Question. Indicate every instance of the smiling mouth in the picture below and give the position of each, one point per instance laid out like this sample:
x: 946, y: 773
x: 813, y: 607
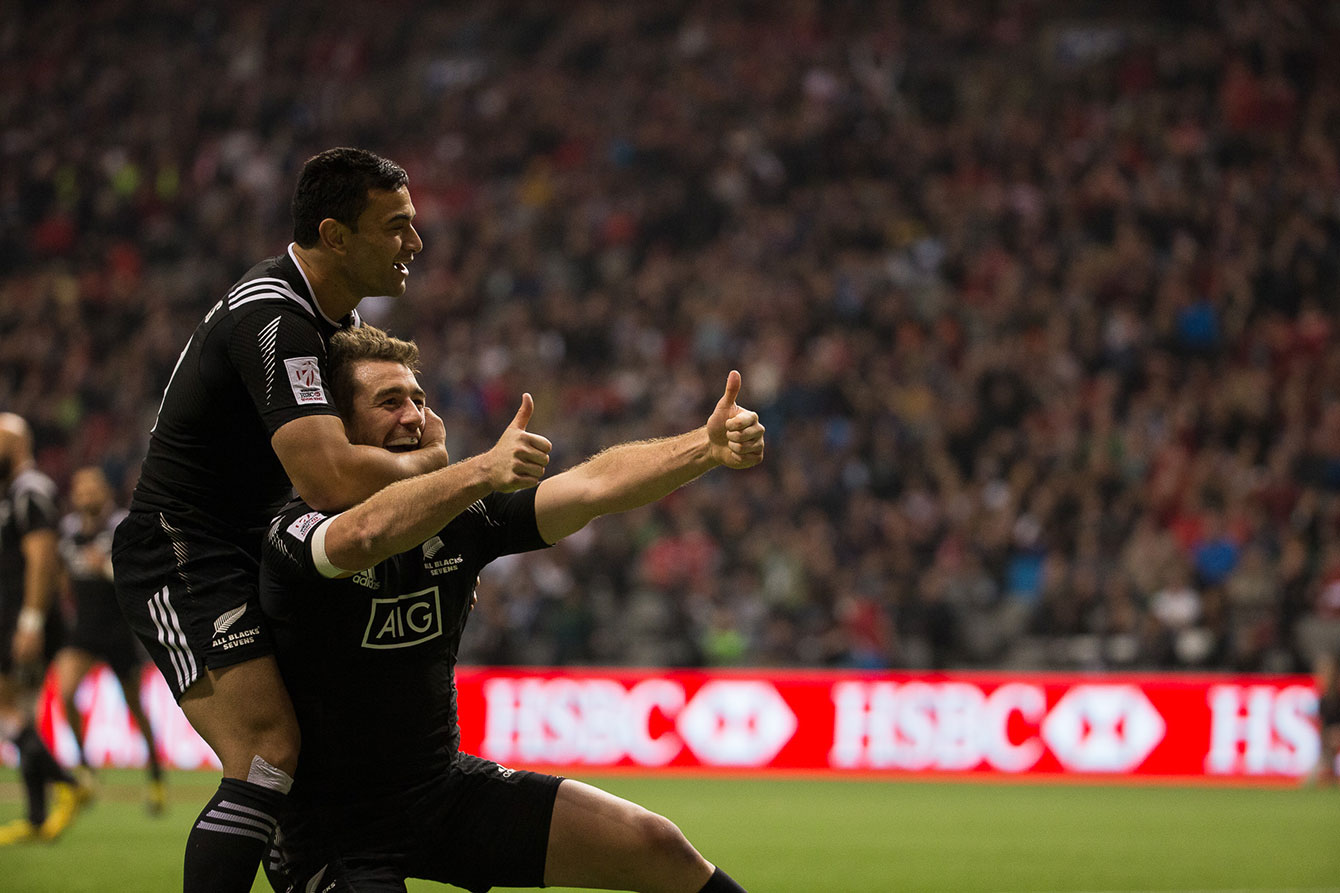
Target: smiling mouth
x: 403, y: 444
x: 403, y: 268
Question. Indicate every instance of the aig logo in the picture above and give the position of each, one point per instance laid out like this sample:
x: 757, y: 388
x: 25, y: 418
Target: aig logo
x: 404, y: 621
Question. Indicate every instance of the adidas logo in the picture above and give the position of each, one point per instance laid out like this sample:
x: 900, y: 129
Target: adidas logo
x: 432, y: 547
x: 367, y: 578
x: 227, y: 619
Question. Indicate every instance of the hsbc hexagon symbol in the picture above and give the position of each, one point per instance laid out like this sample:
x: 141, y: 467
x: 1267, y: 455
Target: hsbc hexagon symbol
x: 736, y: 723
x: 1103, y: 728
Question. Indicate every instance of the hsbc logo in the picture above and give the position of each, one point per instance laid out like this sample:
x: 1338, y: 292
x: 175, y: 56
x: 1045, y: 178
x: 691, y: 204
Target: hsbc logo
x: 1103, y: 728
x: 904, y: 724
x: 731, y: 723
x: 600, y: 722
x: 955, y: 726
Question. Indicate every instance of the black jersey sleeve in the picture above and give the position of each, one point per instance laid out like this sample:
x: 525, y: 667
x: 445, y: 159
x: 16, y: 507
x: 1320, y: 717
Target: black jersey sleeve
x: 287, y: 565
x: 280, y: 355
x: 506, y: 523
x: 35, y: 503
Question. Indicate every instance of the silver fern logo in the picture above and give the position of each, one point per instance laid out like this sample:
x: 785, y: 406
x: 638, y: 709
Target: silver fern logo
x: 227, y: 619
x: 432, y: 547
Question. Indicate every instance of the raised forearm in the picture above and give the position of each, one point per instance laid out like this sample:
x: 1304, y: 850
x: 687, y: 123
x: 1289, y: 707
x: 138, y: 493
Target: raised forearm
x: 331, y: 474
x: 403, y: 514
x: 620, y: 478
x: 364, y: 471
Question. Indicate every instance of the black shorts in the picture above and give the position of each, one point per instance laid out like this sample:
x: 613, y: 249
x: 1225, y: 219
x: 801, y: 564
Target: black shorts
x: 105, y: 636
x: 191, y: 598
x: 480, y: 826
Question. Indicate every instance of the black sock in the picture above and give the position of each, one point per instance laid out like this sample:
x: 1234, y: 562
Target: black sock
x: 38, y: 767
x: 230, y: 837
x: 154, y: 768
x: 720, y: 882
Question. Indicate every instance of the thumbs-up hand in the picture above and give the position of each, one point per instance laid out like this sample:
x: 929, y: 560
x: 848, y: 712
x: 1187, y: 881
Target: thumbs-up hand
x: 735, y: 433
x: 517, y: 461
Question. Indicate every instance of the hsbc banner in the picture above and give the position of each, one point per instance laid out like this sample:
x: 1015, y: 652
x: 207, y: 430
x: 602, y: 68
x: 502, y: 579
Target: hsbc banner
x: 1174, y: 727
x: 1165, y: 726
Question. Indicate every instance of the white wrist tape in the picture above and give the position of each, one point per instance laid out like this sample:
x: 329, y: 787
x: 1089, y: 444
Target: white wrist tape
x: 31, y: 620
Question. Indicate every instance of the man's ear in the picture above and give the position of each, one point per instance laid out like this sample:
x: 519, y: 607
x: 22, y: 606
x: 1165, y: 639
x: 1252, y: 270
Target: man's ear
x: 333, y: 234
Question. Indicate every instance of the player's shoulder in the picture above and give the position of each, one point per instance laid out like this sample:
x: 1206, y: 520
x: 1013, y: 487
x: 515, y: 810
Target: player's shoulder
x: 275, y: 281
x: 295, y: 520
x: 33, y: 483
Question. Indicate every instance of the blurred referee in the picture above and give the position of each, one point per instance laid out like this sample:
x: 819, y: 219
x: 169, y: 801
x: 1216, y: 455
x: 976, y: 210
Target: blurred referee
x: 244, y: 420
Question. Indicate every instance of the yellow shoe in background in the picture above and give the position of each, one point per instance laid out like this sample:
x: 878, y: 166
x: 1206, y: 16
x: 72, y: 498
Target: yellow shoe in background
x: 66, y: 801
x: 155, y: 799
x: 17, y: 831
x: 85, y: 779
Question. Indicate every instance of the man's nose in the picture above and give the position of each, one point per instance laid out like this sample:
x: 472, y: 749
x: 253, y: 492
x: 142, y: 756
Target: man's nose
x: 412, y: 415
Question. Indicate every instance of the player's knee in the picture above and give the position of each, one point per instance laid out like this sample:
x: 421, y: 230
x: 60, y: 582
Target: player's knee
x: 278, y: 745
x: 661, y: 839
x: 275, y: 740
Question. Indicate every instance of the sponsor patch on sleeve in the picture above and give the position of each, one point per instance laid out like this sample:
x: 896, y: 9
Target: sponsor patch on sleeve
x: 304, y: 377
x: 303, y: 526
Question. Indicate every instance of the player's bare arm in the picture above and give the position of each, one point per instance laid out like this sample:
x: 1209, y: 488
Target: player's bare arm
x: 406, y: 513
x: 331, y: 474
x: 635, y: 474
x: 41, y: 575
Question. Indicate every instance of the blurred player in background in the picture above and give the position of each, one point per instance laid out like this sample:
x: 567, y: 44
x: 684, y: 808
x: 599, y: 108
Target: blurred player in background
x: 100, y: 632
x: 245, y: 419
x: 30, y: 631
x: 369, y: 606
x: 1327, y: 676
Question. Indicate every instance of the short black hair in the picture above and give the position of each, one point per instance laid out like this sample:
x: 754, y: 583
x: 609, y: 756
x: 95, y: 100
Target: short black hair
x: 335, y: 184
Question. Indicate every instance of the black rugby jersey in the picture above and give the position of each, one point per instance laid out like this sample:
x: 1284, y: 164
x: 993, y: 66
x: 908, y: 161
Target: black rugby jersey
x: 256, y: 361
x: 369, y: 660
x: 28, y: 505
x: 86, y: 557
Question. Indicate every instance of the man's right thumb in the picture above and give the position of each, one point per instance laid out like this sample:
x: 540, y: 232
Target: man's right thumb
x: 522, y: 418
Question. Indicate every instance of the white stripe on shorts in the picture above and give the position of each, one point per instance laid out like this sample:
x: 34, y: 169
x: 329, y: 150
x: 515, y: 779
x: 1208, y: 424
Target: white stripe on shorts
x: 171, y: 637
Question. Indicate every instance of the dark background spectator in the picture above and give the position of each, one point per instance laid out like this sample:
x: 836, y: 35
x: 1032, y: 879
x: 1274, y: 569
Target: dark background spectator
x: 1037, y: 299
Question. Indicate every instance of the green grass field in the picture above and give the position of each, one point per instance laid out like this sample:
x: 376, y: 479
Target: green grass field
x: 778, y: 836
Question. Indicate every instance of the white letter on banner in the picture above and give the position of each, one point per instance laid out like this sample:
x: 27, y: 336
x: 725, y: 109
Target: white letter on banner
x: 563, y: 720
x: 916, y: 724
x: 1229, y: 728
x: 1030, y: 703
x: 500, y: 720
x: 644, y: 697
x: 959, y: 726
x: 603, y: 721
x: 1294, y: 708
x: 851, y: 725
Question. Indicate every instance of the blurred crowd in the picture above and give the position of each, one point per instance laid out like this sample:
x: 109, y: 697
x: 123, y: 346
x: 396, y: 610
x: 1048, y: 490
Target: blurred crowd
x: 1036, y: 299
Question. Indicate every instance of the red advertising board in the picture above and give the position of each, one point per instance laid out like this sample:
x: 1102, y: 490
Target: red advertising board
x: 1155, y: 726
x: 989, y: 725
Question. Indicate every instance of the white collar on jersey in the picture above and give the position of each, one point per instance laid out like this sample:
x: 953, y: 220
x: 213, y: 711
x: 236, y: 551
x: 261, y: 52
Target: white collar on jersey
x: 310, y: 291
